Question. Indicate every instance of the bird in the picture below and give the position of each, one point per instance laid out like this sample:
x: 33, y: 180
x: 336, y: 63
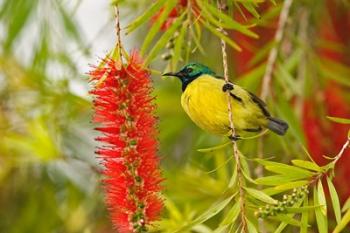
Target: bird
x: 204, y: 99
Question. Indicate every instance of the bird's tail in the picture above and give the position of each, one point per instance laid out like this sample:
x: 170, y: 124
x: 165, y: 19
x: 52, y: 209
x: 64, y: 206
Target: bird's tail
x: 277, y: 126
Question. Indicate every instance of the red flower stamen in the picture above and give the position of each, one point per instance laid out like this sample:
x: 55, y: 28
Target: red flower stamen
x: 124, y: 111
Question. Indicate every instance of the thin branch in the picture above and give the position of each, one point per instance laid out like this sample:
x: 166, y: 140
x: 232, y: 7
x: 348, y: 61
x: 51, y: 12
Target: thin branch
x: 269, y: 69
x: 273, y: 53
x: 236, y: 155
x: 118, y: 30
x: 303, y: 38
x: 341, y: 152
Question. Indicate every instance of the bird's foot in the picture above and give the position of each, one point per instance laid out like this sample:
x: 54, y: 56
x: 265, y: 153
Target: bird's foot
x: 227, y: 87
x: 234, y: 137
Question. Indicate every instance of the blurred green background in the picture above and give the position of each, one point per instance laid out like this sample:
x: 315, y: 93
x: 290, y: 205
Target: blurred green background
x: 49, y: 176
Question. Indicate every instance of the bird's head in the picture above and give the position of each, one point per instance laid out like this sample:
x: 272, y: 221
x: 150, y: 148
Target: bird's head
x: 190, y: 72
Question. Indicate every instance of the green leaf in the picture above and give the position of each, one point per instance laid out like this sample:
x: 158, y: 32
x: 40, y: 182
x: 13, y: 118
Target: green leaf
x: 157, y: 5
x: 157, y: 25
x: 286, y: 219
x: 261, y: 54
x: 211, y: 212
x: 335, y: 200
x: 281, y: 227
x: 321, y: 198
x: 307, y: 165
x: 221, y: 229
x: 221, y: 36
x: 250, y: 7
x: 321, y: 219
x: 259, y: 195
x: 343, y: 223
x: 334, y: 70
x: 201, y: 229
x: 164, y: 39
x: 68, y: 22
x: 231, y: 215
x: 305, y: 216
x: 285, y: 187
x: 287, y: 79
x: 228, y: 22
x: 300, y: 209
x: 233, y: 179
x: 179, y: 43
x: 288, y: 114
x: 214, y: 148
x: 346, y: 205
x: 251, y: 227
x: 290, y: 171
x: 275, y: 180
x: 18, y: 16
x: 339, y: 120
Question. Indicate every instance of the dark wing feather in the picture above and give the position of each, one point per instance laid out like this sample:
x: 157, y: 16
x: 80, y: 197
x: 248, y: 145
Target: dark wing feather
x: 262, y: 105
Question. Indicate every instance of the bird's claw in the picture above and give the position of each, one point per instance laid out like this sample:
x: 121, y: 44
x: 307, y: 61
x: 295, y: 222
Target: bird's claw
x: 234, y: 137
x: 227, y: 87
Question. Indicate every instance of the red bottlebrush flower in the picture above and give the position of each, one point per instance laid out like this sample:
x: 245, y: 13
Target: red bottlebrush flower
x: 325, y: 137
x: 124, y: 111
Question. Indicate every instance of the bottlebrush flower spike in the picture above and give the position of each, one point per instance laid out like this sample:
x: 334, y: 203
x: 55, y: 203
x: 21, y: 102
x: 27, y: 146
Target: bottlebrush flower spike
x: 125, y: 113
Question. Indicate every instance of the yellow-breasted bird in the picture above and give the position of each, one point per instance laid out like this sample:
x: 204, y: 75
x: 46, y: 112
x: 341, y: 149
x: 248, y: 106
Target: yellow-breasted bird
x: 205, y: 102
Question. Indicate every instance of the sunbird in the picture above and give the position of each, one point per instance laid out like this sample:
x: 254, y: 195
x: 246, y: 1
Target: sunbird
x: 204, y: 99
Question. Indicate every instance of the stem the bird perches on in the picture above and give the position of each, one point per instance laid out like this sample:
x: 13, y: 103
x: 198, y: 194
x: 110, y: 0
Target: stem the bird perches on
x: 236, y: 155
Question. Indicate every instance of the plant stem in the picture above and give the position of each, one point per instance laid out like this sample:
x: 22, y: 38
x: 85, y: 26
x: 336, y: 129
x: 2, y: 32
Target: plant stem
x: 341, y: 152
x: 236, y: 155
x: 118, y: 30
x: 273, y: 53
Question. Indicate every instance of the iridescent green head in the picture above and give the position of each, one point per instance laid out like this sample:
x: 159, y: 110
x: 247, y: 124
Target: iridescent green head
x: 190, y: 72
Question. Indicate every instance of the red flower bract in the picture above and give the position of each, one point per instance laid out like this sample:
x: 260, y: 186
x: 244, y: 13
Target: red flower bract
x: 124, y: 111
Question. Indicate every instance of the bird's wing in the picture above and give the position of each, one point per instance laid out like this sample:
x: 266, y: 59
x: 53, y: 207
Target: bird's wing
x: 262, y: 105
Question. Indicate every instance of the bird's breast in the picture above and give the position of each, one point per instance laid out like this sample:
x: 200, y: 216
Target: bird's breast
x: 204, y: 102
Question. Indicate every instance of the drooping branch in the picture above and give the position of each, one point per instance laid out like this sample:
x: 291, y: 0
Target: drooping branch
x: 274, y: 52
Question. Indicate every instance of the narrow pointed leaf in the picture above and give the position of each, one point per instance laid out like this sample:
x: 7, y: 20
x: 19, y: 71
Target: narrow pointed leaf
x: 259, y: 195
x: 214, y: 148
x: 221, y: 36
x: 251, y: 227
x: 346, y: 205
x: 231, y: 215
x: 157, y: 25
x: 157, y: 5
x: 335, y: 200
x: 275, y: 180
x: 287, y: 219
x: 307, y: 165
x: 305, y: 216
x: 211, y: 212
x: 290, y: 171
x: 229, y: 22
x: 339, y: 120
x: 321, y: 219
x: 164, y: 39
x: 285, y: 187
x: 343, y: 223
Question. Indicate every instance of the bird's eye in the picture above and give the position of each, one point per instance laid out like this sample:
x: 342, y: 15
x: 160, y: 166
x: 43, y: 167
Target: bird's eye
x: 189, y: 70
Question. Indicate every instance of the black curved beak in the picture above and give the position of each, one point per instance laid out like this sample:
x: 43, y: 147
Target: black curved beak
x: 178, y: 74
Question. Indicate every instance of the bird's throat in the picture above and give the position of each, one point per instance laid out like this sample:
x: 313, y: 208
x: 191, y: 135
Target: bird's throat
x: 187, y: 80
